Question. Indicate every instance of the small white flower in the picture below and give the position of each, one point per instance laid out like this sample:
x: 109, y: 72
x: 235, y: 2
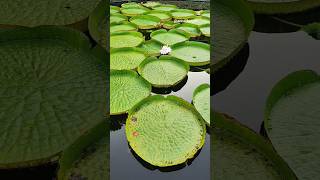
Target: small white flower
x: 165, y: 50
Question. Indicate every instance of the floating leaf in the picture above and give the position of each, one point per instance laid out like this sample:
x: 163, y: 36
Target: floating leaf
x: 205, y: 13
x: 125, y: 39
x: 163, y: 16
x: 205, y: 30
x: 170, y: 37
x: 233, y: 22
x: 199, y: 21
x: 165, y: 7
x: 127, y: 89
x: 126, y: 58
x: 124, y: 26
x: 117, y: 18
x: 201, y: 101
x: 172, y: 129
x: 52, y: 92
x: 198, y: 52
x: 240, y: 153
x: 114, y: 9
x: 282, y: 6
x: 151, y: 4
x: 165, y: 72
x: 191, y: 29
x: 33, y: 13
x: 151, y: 47
x: 292, y: 122
x: 183, y: 14
x: 133, y: 11
x: 146, y: 21
x: 98, y: 24
x: 169, y: 25
x: 131, y: 5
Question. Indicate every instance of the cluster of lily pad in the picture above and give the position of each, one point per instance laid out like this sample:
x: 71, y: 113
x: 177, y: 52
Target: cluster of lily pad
x: 153, y: 45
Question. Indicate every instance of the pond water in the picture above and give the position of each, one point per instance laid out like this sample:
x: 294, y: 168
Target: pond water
x: 271, y: 57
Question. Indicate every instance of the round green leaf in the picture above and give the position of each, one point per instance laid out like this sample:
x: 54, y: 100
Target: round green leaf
x: 131, y: 5
x: 198, y: 53
x: 199, y: 20
x: 133, y: 11
x: 172, y: 129
x: 233, y: 22
x: 126, y: 58
x: 292, y: 122
x: 117, y: 18
x: 183, y: 14
x: 163, y: 16
x: 168, y: 25
x: 151, y: 47
x: 125, y: 39
x: 165, y: 7
x: 127, y: 89
x: 282, y: 6
x: 146, y: 21
x: 239, y: 153
x: 205, y: 13
x: 191, y: 29
x: 201, y: 101
x: 52, y: 92
x: 98, y: 24
x: 33, y: 13
x: 165, y: 72
x: 169, y: 38
x: 114, y: 9
x: 124, y: 26
x: 205, y: 30
x: 151, y: 4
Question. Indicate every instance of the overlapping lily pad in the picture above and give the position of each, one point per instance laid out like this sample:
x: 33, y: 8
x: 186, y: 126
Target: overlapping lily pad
x: 292, y: 122
x: 198, y: 52
x: 169, y: 25
x: 127, y: 89
x: 165, y: 7
x: 131, y: 5
x: 183, y: 13
x: 126, y: 58
x: 191, y: 29
x: 133, y: 11
x: 205, y: 30
x: 151, y: 47
x: 238, y: 152
x: 33, y: 13
x: 163, y: 16
x: 165, y: 72
x: 114, y: 9
x: 53, y: 91
x: 172, y: 129
x: 151, y: 4
x: 125, y: 39
x: 199, y: 21
x: 282, y: 6
x: 201, y: 101
x: 98, y: 24
x: 117, y: 18
x: 124, y: 26
x: 146, y: 21
x: 205, y: 13
x: 233, y: 22
x: 170, y: 37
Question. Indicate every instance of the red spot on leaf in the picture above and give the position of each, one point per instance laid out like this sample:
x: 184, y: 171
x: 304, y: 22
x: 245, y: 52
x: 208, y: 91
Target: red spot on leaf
x: 135, y: 134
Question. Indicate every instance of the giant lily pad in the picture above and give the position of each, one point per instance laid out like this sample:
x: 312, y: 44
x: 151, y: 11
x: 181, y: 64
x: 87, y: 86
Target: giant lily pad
x: 165, y: 131
x: 146, y: 21
x: 165, y: 7
x: 33, y: 13
x: 282, y: 6
x: 126, y: 39
x: 124, y: 26
x: 205, y: 13
x: 199, y: 21
x: 201, y: 101
x: 169, y: 25
x: 133, y: 11
x: 131, y: 5
x: 183, y: 14
x: 240, y: 153
x: 191, y: 29
x: 126, y: 58
x: 170, y: 37
x: 163, y: 16
x: 233, y: 22
x: 98, y: 24
x: 165, y: 72
x: 114, y: 9
x: 151, y: 4
x: 88, y: 157
x: 292, y: 122
x: 205, y: 30
x: 198, y: 52
x: 151, y: 47
x: 117, y: 18
x: 127, y: 89
x: 52, y: 92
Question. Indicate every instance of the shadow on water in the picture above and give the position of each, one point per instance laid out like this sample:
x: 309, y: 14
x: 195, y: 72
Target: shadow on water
x: 163, y: 169
x: 117, y: 121
x: 170, y: 89
x: 223, y: 77
x: 278, y: 23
